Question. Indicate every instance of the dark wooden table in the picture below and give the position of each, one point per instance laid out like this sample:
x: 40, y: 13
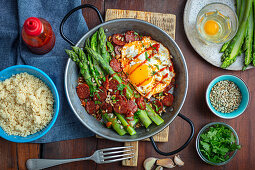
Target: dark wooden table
x: 14, y: 156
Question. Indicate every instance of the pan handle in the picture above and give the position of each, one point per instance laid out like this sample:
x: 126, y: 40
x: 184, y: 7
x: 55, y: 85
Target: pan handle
x: 70, y: 13
x: 183, y: 146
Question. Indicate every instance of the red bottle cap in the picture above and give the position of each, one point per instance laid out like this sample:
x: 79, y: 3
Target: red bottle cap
x: 33, y: 26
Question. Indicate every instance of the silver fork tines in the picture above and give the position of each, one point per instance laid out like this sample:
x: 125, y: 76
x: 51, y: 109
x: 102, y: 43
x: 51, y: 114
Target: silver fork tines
x: 119, y: 157
x: 116, y: 148
x: 101, y: 156
x: 110, y: 153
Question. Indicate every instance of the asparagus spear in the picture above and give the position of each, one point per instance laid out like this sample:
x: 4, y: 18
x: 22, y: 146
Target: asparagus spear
x: 126, y: 125
x: 238, y: 5
x: 108, y: 69
x: 80, y: 54
x: 242, y: 9
x: 83, y: 69
x: 102, y: 44
x: 94, y: 46
x: 233, y: 49
x: 93, y: 42
x: 224, y: 47
x: 110, y: 48
x: 134, y: 121
x: 91, y: 66
x: 239, y: 9
x: 115, y: 125
x: 248, y: 40
x: 129, y: 92
x: 143, y: 117
x: 153, y: 115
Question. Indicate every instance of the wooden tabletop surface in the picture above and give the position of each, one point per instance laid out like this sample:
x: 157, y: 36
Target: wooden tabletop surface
x: 14, y: 155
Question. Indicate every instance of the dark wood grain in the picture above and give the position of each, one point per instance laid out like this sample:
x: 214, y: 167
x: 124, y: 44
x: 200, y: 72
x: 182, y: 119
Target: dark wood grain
x: 90, y: 15
x: 26, y: 151
x: 72, y: 149
x: 200, y: 74
x: 8, y: 155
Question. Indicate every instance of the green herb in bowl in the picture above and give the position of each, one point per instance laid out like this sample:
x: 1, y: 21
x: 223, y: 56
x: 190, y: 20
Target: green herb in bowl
x: 216, y: 143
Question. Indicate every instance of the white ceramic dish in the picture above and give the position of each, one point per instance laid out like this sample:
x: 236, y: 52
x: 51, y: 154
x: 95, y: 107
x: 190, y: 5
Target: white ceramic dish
x: 209, y: 52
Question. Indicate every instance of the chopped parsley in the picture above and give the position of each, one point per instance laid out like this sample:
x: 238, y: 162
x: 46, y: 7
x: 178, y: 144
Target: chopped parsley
x: 156, y: 66
x: 146, y: 56
x: 104, y: 78
x: 156, y: 107
x: 121, y: 87
x: 97, y: 102
x: 160, y: 94
x: 98, y: 96
x: 113, y: 97
x: 136, y: 33
x: 217, y: 143
x: 153, y: 73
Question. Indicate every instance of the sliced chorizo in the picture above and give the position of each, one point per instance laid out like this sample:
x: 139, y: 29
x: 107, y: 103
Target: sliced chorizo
x: 91, y: 107
x: 120, y: 105
x: 118, y: 39
x: 157, y: 106
x: 131, y: 36
x: 106, y: 82
x: 83, y: 91
x: 141, y: 103
x: 115, y: 64
x: 131, y: 107
x: 100, y: 94
x: 106, y: 107
x: 113, y: 84
x: 168, y: 99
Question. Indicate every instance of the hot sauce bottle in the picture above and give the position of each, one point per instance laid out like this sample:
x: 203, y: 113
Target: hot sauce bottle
x: 38, y: 35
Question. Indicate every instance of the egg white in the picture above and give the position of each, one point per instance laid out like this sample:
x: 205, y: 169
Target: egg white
x: 158, y: 61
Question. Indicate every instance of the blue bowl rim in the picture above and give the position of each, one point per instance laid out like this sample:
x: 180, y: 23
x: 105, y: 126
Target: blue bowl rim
x: 54, y: 118
x: 198, y: 139
x: 207, y: 93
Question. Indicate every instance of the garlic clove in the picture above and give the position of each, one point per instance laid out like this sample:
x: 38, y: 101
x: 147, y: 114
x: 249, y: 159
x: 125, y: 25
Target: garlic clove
x: 149, y: 163
x: 178, y: 161
x: 167, y: 163
x: 159, y: 168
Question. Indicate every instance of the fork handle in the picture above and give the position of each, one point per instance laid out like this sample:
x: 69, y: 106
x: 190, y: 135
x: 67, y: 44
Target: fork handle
x: 36, y: 164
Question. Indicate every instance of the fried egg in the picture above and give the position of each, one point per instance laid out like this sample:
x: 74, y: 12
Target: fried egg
x: 148, y: 65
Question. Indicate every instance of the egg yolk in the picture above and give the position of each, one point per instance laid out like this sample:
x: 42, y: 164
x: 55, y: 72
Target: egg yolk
x: 140, y: 74
x: 211, y: 27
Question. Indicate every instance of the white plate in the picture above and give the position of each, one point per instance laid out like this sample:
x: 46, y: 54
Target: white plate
x: 209, y: 52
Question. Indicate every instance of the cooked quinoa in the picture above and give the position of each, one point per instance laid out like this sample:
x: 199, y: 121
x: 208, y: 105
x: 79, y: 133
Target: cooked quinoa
x: 26, y: 105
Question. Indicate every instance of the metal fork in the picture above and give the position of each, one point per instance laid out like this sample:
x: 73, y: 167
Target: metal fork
x: 100, y: 156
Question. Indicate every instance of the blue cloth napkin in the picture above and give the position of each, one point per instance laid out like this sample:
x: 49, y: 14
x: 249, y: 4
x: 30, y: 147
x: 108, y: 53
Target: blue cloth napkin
x: 13, y: 51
